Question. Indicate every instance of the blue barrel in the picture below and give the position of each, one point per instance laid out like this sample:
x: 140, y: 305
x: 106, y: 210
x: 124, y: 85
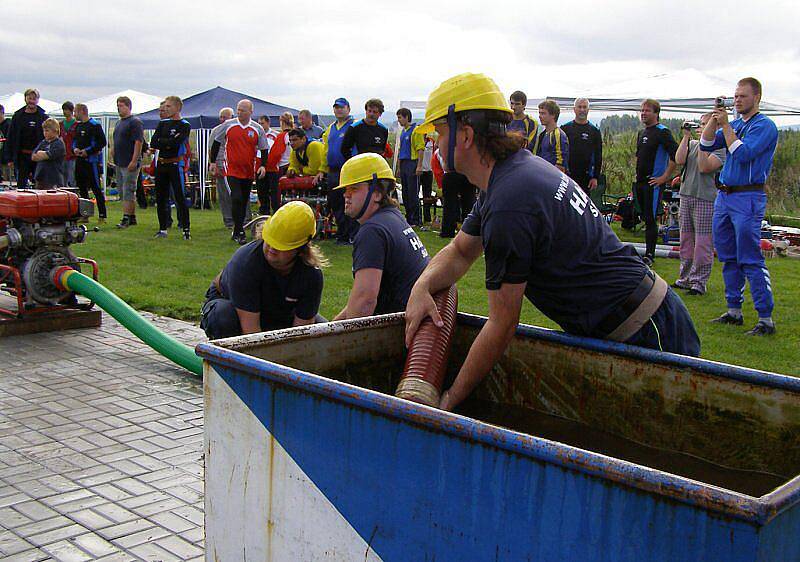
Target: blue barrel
x: 310, y: 457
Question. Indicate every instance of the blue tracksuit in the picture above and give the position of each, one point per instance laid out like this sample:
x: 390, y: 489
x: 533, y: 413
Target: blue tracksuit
x: 738, y: 216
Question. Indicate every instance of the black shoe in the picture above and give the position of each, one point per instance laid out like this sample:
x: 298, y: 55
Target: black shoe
x: 240, y: 239
x: 343, y: 242
x: 676, y: 286
x: 729, y: 319
x: 186, y: 234
x: 648, y: 260
x: 124, y: 223
x: 160, y: 234
x: 761, y: 329
x: 694, y: 292
x: 132, y: 220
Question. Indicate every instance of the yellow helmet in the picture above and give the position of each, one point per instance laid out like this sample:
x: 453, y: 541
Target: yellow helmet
x: 364, y: 167
x: 292, y: 226
x: 464, y: 92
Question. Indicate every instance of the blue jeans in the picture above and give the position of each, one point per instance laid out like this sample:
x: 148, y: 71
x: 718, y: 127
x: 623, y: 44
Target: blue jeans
x: 409, y: 181
x: 737, y: 238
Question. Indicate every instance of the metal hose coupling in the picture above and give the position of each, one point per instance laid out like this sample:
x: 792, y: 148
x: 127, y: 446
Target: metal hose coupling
x: 426, y: 363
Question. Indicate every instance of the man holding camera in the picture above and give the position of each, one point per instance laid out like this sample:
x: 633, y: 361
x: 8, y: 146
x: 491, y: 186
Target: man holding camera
x: 698, y: 191
x: 741, y: 201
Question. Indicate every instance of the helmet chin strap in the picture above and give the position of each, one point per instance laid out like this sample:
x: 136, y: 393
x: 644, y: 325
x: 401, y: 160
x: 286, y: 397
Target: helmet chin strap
x: 451, y: 143
x: 372, y: 185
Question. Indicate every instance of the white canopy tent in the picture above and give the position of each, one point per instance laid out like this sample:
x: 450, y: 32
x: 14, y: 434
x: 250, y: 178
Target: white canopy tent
x: 14, y: 101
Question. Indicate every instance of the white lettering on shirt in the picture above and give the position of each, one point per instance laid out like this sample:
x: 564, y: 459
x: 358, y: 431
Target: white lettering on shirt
x: 562, y: 187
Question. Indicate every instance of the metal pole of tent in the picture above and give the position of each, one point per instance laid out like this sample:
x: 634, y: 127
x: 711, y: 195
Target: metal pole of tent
x: 202, y: 162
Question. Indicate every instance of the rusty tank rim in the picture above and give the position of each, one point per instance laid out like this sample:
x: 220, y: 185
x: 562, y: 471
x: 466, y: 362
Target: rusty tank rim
x: 759, y: 511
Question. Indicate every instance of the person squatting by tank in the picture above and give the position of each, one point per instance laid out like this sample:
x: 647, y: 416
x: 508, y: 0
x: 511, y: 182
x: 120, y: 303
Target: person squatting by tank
x: 541, y: 238
x: 170, y: 140
x: 388, y: 256
x: 269, y: 284
x: 741, y: 201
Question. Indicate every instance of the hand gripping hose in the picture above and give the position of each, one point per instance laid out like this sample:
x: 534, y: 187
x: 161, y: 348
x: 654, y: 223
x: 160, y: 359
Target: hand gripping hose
x: 426, y: 363
x: 68, y: 279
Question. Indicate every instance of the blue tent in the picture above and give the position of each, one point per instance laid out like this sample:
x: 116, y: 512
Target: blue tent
x: 202, y: 109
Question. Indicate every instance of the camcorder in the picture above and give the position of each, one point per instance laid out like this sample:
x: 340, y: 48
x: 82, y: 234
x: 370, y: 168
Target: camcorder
x: 723, y: 102
x: 690, y: 125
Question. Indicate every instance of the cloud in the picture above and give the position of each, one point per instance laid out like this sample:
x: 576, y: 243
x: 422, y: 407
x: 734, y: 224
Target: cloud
x: 305, y: 54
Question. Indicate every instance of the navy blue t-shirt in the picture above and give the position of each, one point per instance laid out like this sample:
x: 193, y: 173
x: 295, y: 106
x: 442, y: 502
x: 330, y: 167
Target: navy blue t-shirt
x: 387, y: 242
x: 537, y: 226
x: 252, y: 285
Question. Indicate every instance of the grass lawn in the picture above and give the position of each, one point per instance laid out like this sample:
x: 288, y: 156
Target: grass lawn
x: 170, y: 277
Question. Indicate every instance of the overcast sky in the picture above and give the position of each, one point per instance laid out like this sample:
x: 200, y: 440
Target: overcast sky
x: 305, y: 54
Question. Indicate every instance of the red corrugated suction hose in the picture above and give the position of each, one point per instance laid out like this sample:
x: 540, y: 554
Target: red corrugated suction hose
x: 426, y: 364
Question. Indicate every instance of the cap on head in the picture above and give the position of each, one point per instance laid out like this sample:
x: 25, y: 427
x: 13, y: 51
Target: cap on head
x: 341, y: 102
x: 364, y: 167
x: 292, y: 226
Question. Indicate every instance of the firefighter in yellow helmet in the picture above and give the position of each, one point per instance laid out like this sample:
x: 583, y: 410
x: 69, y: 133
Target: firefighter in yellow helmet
x: 269, y: 284
x: 388, y: 256
x: 541, y: 237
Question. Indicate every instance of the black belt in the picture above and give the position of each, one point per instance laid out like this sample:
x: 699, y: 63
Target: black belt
x: 740, y: 188
x: 617, y: 316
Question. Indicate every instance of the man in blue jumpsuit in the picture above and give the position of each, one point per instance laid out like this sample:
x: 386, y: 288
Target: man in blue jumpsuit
x: 741, y: 201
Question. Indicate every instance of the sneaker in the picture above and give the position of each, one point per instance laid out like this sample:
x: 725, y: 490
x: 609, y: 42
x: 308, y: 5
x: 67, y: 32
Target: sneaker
x: 241, y: 239
x: 694, y: 292
x: 101, y: 220
x: 729, y: 319
x: 343, y: 242
x: 160, y: 234
x: 676, y: 286
x: 648, y: 260
x: 761, y: 329
x: 186, y: 234
x: 124, y: 223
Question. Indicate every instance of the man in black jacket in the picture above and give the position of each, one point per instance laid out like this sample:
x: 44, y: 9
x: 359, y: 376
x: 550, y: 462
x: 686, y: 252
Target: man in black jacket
x: 24, y: 134
x: 87, y: 145
x: 368, y: 134
x: 170, y: 139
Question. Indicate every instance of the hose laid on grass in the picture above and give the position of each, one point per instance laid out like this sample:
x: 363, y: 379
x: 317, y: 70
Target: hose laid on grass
x: 69, y: 279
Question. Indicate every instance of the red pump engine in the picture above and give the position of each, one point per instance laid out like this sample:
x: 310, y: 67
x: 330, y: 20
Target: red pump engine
x: 37, y: 228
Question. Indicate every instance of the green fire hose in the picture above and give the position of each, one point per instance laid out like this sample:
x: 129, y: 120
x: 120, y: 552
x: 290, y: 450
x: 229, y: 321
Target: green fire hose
x: 71, y: 280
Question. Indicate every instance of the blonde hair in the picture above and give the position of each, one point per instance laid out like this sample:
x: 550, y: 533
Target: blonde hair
x: 51, y: 125
x: 30, y: 91
x: 175, y: 99
x: 287, y: 121
x: 312, y: 256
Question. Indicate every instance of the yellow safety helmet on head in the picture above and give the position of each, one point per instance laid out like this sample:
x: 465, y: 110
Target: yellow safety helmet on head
x: 364, y: 167
x: 368, y: 167
x: 465, y: 92
x: 292, y: 226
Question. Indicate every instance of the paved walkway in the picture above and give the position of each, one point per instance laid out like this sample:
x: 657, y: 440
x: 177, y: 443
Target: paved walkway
x: 101, y: 445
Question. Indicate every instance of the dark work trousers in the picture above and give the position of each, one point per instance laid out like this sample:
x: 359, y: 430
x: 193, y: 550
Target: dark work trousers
x: 649, y: 199
x: 169, y: 181
x: 25, y: 168
x: 669, y: 329
x: 458, y: 197
x: 219, y: 318
x: 240, y: 199
x: 267, y: 188
x: 87, y: 177
x: 582, y: 179
x: 409, y: 181
x: 426, y: 181
x: 346, y: 227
